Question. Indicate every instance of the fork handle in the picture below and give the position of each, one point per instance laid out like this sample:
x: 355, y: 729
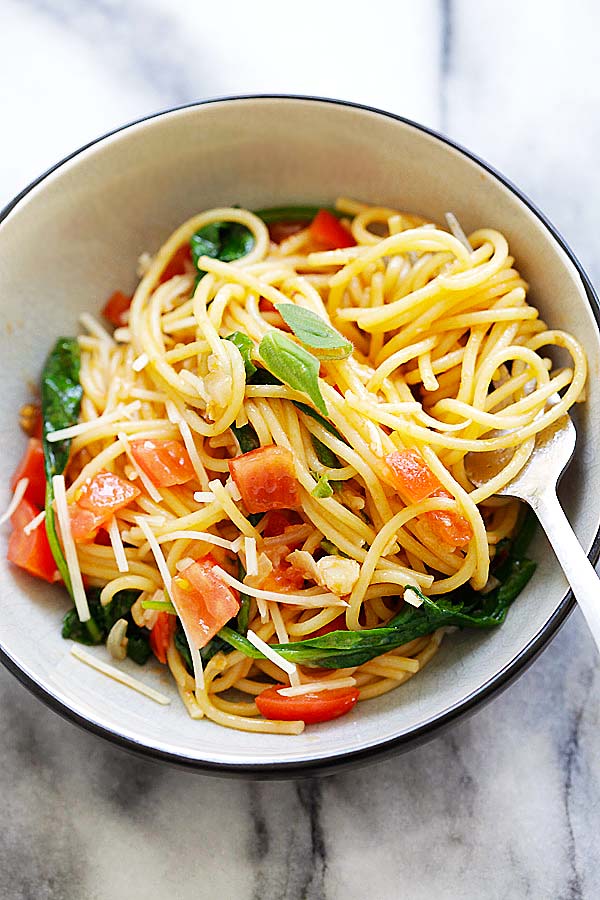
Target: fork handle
x: 580, y: 573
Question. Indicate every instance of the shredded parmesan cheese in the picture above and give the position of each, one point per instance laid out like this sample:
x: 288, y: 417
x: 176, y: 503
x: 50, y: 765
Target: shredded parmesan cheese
x: 117, y: 675
x: 64, y: 521
x: 35, y: 523
x: 251, y: 556
x: 204, y: 496
x: 455, y: 228
x: 190, y: 446
x: 140, y: 363
x: 276, y: 658
x: 72, y: 431
x: 19, y: 493
x: 168, y: 583
x: 411, y: 596
x: 307, y: 600
x: 184, y: 563
x: 196, y: 536
x: 117, y: 545
x: 157, y: 553
x: 308, y: 688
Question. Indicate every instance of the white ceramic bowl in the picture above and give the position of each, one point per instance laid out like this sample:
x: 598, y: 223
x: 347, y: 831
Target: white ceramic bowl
x: 74, y: 236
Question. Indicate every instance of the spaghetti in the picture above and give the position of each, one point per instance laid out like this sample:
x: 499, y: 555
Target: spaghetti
x: 311, y: 402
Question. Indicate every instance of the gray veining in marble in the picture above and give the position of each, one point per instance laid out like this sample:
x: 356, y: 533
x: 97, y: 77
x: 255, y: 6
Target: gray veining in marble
x: 505, y: 805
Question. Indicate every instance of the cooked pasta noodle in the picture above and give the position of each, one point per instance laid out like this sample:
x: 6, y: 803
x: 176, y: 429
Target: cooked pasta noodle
x: 447, y: 358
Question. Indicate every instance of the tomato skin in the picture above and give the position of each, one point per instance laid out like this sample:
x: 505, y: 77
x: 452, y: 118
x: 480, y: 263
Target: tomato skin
x: 329, y: 232
x: 98, y: 500
x: 32, y: 467
x: 31, y: 551
x: 161, y: 634
x: 203, y: 600
x: 116, y: 307
x: 321, y: 706
x: 266, y: 479
x: 165, y: 462
x: 177, y: 263
x: 414, y: 481
x: 284, y: 578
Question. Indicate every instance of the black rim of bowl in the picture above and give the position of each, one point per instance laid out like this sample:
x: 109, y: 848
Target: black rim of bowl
x: 432, y: 726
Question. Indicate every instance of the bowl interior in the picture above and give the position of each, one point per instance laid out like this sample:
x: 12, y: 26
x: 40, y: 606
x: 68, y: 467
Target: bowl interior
x: 76, y: 236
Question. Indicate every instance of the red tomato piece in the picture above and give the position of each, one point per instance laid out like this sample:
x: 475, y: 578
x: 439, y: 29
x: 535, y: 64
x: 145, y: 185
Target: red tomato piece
x: 321, y: 706
x: 177, y: 264
x: 414, y: 481
x: 203, y: 601
x: 32, y: 467
x: 116, y: 307
x: 31, y: 551
x: 284, y: 578
x: 98, y: 500
x: 266, y: 479
x: 278, y: 520
x: 165, y: 462
x: 329, y: 232
x: 161, y: 634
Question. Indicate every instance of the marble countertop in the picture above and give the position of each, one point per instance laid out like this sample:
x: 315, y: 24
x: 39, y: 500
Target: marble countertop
x: 506, y: 804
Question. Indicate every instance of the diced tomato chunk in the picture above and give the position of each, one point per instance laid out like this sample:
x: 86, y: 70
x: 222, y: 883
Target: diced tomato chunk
x: 116, y: 307
x: 320, y: 706
x: 278, y: 520
x: 266, y: 479
x: 32, y: 467
x: 284, y: 578
x: 165, y: 462
x: 24, y: 513
x: 329, y: 232
x: 161, y: 634
x: 177, y: 263
x: 203, y: 601
x: 414, y: 481
x: 31, y: 551
x: 97, y: 502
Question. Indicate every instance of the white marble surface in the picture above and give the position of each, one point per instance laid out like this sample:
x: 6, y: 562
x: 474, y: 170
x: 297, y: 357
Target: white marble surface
x: 505, y: 805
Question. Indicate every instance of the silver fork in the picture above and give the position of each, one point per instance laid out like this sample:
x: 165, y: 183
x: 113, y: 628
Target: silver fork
x: 536, y: 484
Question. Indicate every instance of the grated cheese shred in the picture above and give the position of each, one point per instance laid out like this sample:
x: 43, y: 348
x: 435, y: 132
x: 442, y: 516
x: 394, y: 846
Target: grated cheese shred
x: 70, y: 550
x: 117, y: 675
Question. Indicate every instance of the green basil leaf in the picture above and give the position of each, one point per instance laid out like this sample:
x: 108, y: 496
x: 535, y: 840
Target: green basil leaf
x: 314, y: 331
x: 293, y: 364
x: 226, y: 241
x: 245, y: 345
x: 322, y: 488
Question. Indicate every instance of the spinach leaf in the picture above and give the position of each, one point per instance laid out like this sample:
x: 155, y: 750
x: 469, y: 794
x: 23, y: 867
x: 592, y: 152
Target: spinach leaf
x: 138, y: 644
x: 293, y: 364
x: 313, y: 331
x: 245, y: 346
x: 103, y: 618
x: 293, y: 213
x: 463, y: 608
x: 243, y: 617
x: 246, y: 437
x: 61, y: 400
x: 226, y: 241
